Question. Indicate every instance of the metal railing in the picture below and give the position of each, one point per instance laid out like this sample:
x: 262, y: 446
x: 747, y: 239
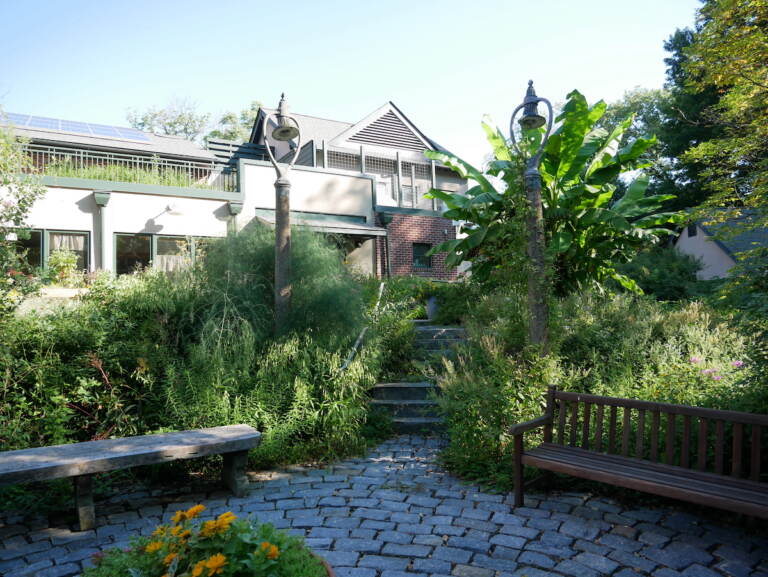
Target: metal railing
x: 118, y: 167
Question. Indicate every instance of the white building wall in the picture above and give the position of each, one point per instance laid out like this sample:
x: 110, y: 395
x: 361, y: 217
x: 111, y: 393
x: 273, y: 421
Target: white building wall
x: 716, y: 261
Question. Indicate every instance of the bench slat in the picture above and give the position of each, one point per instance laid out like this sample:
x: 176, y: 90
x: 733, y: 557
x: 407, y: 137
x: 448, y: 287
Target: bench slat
x: 599, y: 428
x: 612, y: 431
x: 585, y: 426
x: 670, y: 441
x: 738, y: 434
x: 754, y: 469
x: 58, y: 461
x: 640, y: 434
x: 655, y: 436
x: 626, y: 428
x: 685, y: 450
x: 701, y: 451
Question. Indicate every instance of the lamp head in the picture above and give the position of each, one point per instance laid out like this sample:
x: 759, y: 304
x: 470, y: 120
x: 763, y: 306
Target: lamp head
x: 531, y: 118
x: 287, y: 128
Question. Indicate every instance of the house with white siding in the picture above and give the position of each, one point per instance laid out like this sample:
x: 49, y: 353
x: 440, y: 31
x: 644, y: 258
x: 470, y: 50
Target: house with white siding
x: 123, y: 199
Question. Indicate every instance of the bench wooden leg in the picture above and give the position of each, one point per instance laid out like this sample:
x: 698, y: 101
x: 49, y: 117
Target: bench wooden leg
x: 233, y: 475
x: 519, y: 477
x: 86, y: 512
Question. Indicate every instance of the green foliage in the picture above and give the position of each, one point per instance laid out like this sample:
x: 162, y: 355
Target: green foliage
x: 237, y: 126
x: 665, y: 273
x: 727, y: 54
x: 622, y: 345
x: 225, y: 546
x: 179, y: 118
x: 590, y: 227
x: 150, y: 352
x: 17, y: 195
x: 62, y: 268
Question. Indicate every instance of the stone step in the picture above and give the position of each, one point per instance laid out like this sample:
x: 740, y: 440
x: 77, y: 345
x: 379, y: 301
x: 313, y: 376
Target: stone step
x: 433, y: 332
x: 436, y: 344
x: 400, y: 408
x: 434, y: 355
x: 403, y: 391
x: 426, y: 425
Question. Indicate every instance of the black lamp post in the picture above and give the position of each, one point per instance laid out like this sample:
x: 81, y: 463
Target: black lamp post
x: 537, y: 285
x: 287, y: 129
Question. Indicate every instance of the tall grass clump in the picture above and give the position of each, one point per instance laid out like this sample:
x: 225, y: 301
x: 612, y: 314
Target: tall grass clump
x: 152, y: 352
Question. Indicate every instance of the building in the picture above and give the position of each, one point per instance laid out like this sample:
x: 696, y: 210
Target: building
x: 121, y: 198
x: 717, y: 247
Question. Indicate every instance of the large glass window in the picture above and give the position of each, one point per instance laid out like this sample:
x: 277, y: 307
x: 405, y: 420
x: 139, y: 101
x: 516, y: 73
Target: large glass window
x: 173, y: 253
x: 420, y: 258
x: 76, y: 242
x: 29, y: 244
x: 132, y: 251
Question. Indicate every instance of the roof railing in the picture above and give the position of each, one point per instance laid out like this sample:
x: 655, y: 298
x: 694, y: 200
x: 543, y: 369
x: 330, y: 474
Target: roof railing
x: 121, y: 167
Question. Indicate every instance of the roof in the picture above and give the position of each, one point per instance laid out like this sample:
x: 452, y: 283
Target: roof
x: 169, y: 146
x: 312, y: 127
x: 334, y: 224
x: 738, y: 234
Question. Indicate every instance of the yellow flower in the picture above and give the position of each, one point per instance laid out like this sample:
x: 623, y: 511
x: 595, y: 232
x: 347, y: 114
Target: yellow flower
x: 169, y: 558
x: 209, y: 528
x: 198, y: 568
x: 179, y: 516
x: 193, y: 512
x: 160, y: 531
x: 265, y: 545
x: 216, y: 564
x: 153, y: 546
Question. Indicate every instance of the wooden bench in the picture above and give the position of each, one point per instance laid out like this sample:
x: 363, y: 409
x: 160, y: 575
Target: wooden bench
x: 83, y: 460
x: 704, y: 456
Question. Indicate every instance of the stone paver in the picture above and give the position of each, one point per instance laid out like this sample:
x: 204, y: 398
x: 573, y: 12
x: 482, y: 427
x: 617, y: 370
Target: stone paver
x: 396, y: 513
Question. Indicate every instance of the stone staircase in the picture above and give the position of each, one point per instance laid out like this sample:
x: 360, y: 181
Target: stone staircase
x: 411, y: 403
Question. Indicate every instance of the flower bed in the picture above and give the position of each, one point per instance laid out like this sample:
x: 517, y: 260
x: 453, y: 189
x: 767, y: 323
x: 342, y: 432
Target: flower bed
x: 222, y: 546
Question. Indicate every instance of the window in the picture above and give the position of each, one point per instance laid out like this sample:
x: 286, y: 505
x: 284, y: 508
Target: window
x: 132, y: 251
x: 420, y: 258
x: 691, y: 230
x: 76, y: 242
x: 31, y: 247
x: 172, y: 253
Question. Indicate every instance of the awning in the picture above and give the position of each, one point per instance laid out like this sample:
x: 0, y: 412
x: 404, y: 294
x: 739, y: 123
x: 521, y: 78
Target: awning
x: 328, y: 223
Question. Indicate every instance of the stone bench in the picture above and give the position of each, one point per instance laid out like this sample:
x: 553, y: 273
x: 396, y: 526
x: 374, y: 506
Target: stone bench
x: 83, y: 460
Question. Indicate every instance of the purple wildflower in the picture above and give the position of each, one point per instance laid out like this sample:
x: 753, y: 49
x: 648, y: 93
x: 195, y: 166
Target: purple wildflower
x: 695, y: 360
x: 737, y: 364
x: 716, y: 377
x: 707, y: 371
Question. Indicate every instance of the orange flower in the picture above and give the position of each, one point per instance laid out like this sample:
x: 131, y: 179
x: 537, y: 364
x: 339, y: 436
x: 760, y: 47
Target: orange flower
x: 169, y: 558
x: 178, y: 517
x: 215, y: 564
x: 273, y: 552
x: 197, y: 570
x: 209, y: 528
x: 193, y: 512
x: 153, y: 546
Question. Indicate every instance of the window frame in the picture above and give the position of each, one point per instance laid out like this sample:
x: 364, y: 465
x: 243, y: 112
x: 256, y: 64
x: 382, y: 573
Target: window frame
x: 153, y: 242
x: 414, y: 258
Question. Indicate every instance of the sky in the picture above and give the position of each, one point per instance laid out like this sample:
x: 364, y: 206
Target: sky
x: 443, y: 63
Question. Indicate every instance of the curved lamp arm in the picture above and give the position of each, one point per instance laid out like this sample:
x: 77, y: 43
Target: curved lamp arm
x: 536, y: 157
x: 282, y: 171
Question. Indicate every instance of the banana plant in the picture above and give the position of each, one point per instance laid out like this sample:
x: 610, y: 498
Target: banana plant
x: 596, y: 210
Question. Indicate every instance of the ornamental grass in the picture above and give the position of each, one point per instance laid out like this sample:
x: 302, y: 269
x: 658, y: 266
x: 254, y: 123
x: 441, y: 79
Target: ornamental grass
x: 223, y: 546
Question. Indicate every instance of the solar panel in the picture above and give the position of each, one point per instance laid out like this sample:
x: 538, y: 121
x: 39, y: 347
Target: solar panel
x: 75, y: 127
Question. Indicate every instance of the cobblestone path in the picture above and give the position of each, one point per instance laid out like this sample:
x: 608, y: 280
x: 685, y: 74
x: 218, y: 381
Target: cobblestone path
x: 395, y: 513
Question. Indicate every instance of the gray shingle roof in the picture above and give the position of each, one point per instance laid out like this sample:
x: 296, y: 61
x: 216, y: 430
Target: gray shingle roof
x: 169, y: 146
x: 312, y: 127
x: 737, y: 234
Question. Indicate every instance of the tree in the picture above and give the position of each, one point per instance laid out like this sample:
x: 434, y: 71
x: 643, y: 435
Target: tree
x: 18, y: 192
x: 179, y: 118
x: 728, y: 54
x: 236, y: 126
x: 588, y: 230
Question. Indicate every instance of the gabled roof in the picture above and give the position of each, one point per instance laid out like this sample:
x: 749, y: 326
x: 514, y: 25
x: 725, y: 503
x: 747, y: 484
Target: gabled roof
x: 738, y: 234
x: 385, y: 127
x: 169, y: 146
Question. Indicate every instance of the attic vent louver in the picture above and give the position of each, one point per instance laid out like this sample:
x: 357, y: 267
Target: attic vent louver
x: 388, y: 130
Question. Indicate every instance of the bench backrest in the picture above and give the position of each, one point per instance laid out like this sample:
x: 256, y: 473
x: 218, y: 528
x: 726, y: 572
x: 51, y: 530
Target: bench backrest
x: 721, y: 442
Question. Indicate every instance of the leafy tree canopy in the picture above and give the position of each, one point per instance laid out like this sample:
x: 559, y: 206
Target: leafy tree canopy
x: 590, y: 228
x: 179, y: 118
x: 237, y: 126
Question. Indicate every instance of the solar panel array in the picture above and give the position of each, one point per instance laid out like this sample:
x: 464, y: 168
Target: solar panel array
x: 86, y: 128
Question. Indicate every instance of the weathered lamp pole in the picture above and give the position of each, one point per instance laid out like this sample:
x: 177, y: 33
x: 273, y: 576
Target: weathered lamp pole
x: 286, y: 130
x: 537, y: 278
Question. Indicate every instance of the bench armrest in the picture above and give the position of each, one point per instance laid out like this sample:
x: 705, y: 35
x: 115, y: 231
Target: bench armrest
x: 520, y: 428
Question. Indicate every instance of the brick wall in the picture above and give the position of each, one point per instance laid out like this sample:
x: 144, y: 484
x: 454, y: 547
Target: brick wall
x: 404, y: 231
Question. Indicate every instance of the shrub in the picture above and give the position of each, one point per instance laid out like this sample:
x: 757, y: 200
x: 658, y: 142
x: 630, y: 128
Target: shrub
x: 665, y: 273
x: 62, y: 268
x: 223, y: 546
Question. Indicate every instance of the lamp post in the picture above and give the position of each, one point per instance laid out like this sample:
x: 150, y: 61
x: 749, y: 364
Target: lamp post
x: 537, y: 285
x: 287, y: 129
